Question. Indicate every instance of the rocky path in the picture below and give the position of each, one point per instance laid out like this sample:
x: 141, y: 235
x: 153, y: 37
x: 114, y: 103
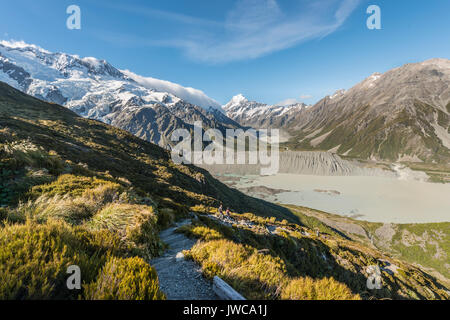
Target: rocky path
x: 227, y: 221
x: 180, y: 279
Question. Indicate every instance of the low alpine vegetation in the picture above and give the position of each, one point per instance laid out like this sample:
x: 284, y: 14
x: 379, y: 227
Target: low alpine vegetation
x: 100, y: 224
x: 125, y: 279
x: 34, y: 258
x: 324, y: 289
x: 294, y: 262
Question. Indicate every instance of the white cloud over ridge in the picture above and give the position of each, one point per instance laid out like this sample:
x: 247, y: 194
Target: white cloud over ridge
x: 191, y: 95
x: 287, y: 102
x: 253, y: 28
x: 291, y: 101
x: 20, y: 44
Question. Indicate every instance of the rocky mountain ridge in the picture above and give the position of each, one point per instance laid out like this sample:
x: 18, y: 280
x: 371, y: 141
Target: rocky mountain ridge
x: 95, y: 89
x: 400, y: 115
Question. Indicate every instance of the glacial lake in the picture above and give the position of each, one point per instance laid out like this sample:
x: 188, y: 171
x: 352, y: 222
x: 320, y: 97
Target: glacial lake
x: 370, y: 198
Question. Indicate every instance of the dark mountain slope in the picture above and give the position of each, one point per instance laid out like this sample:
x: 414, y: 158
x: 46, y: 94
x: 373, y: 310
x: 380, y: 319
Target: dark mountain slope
x: 399, y: 115
x: 102, y: 148
x: 97, y: 90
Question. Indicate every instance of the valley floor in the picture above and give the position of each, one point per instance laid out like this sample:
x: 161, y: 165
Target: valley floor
x: 369, y: 198
x: 409, y: 219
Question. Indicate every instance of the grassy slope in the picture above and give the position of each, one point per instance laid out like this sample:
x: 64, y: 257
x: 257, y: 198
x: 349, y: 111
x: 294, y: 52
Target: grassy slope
x: 294, y: 262
x: 103, y: 148
x: 77, y: 188
x: 78, y: 191
x: 427, y: 244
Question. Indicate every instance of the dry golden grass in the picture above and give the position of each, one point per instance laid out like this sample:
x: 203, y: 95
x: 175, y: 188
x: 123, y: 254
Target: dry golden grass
x: 310, y: 289
x: 135, y: 224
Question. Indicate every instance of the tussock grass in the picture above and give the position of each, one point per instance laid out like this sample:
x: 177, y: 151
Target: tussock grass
x: 255, y: 275
x: 262, y: 276
x: 67, y: 206
x: 125, y: 279
x: 135, y: 224
x: 310, y: 289
x: 100, y: 225
x: 72, y: 210
x: 34, y: 258
x: 68, y: 184
x: 35, y: 254
x: 200, y: 232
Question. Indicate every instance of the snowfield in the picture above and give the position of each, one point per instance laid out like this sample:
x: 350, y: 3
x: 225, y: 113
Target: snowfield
x: 93, y: 88
x: 89, y: 86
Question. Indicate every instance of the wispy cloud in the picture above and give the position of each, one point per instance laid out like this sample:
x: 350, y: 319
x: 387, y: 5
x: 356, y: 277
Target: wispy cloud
x: 252, y: 28
x: 20, y: 44
x: 165, y: 15
x: 287, y: 102
x: 192, y: 95
x: 291, y: 101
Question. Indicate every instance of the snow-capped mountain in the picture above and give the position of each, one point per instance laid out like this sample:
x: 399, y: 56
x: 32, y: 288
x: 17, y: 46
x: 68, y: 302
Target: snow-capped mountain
x: 260, y: 115
x: 400, y: 115
x: 148, y: 107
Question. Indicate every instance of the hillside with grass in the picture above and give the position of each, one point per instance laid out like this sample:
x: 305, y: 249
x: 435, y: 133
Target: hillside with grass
x: 263, y: 258
x: 41, y: 141
x: 75, y: 191
x: 424, y: 244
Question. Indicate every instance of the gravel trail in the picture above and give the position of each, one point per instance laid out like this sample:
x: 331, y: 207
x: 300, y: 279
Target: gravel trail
x: 180, y: 279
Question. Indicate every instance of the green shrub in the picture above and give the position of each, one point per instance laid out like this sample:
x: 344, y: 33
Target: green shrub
x: 125, y: 279
x: 7, y: 191
x: 211, y: 269
x: 11, y: 216
x: 202, y: 209
x: 3, y: 213
x: 14, y: 182
x: 34, y: 259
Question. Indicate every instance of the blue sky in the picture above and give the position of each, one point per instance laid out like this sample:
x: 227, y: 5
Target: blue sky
x: 268, y: 50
